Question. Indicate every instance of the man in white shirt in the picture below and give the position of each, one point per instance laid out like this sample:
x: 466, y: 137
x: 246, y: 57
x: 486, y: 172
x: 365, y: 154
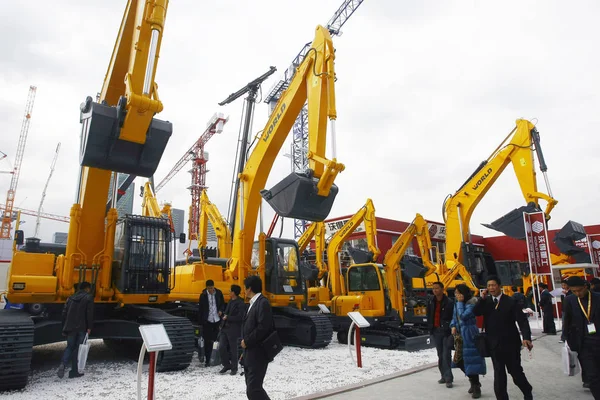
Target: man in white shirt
x: 211, y: 306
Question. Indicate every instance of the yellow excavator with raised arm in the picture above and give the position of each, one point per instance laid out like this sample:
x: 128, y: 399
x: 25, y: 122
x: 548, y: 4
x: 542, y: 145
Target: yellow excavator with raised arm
x: 465, y: 262
x: 127, y: 259
x: 308, y: 196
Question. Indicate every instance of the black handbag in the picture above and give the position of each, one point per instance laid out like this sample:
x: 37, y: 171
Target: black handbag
x: 482, y: 344
x: 271, y: 345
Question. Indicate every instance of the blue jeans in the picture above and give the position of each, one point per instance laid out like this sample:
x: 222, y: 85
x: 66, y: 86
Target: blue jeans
x: 74, y: 339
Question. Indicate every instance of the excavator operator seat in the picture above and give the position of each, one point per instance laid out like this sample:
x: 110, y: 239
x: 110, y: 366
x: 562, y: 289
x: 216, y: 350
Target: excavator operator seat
x: 296, y: 197
x: 102, y: 148
x: 512, y: 224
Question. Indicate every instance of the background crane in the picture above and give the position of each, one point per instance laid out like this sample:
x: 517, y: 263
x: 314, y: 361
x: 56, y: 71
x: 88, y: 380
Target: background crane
x: 53, y: 217
x: 199, y: 158
x: 300, y: 129
x: 2, y: 157
x: 39, y: 216
x: 10, y: 195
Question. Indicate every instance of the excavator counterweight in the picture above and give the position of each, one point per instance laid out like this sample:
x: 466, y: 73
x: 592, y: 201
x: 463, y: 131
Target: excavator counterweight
x: 511, y: 224
x: 296, y: 197
x: 101, y: 146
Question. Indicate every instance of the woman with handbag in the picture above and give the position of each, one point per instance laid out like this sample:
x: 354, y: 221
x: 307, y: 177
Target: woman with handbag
x: 464, y: 329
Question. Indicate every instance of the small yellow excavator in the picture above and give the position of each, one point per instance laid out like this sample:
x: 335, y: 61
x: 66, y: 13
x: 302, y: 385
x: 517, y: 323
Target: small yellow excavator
x: 366, y: 286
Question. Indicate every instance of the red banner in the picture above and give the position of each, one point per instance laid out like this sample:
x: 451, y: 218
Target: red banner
x: 538, y: 248
x: 594, y: 247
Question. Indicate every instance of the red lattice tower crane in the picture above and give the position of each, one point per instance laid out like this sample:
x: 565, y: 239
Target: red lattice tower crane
x: 10, y: 195
x: 197, y: 156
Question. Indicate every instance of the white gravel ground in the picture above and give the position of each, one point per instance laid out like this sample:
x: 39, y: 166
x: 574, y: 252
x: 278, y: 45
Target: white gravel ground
x: 295, y: 372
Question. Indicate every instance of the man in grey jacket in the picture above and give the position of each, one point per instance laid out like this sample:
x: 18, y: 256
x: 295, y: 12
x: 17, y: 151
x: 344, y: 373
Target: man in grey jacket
x: 78, y: 317
x: 231, y: 331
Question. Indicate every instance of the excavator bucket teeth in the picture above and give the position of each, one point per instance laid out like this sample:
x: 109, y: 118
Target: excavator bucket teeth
x: 296, y: 197
x: 102, y: 148
x: 512, y: 224
x: 565, y: 241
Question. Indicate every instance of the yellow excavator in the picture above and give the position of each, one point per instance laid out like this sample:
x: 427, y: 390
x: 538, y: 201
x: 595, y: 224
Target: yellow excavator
x: 127, y: 259
x: 308, y: 196
x: 363, y: 285
x: 465, y: 262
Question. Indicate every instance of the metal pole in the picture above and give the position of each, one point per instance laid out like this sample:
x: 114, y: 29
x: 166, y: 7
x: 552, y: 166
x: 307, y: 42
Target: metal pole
x: 151, y: 371
x: 357, y: 344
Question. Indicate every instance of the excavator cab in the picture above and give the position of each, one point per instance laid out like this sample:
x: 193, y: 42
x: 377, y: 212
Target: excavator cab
x: 369, y: 281
x: 282, y: 267
x: 101, y: 146
x: 296, y: 197
x: 512, y: 224
x: 141, y: 263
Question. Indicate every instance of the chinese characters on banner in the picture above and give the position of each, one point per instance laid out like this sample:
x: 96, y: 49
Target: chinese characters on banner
x: 538, y: 247
x: 332, y: 227
x: 594, y: 247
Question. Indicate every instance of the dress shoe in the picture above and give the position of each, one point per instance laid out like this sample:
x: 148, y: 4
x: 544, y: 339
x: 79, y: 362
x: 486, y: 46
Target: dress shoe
x: 233, y: 372
x: 224, y: 369
x: 61, y: 371
x: 75, y: 375
x: 442, y: 381
x: 448, y: 385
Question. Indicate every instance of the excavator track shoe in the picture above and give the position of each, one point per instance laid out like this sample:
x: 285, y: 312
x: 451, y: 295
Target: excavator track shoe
x: 512, y: 224
x: 102, y: 148
x: 304, y: 329
x: 16, y: 346
x: 296, y: 197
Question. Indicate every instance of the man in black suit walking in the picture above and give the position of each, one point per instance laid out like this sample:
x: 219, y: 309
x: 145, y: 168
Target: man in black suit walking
x: 211, y: 305
x: 231, y: 331
x: 257, y: 325
x: 582, y: 319
x: 499, y: 316
x: 546, y: 306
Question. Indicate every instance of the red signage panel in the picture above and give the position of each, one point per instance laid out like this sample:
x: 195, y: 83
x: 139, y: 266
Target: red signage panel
x: 538, y: 247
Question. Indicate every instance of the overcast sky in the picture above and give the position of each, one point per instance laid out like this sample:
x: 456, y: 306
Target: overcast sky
x: 426, y: 91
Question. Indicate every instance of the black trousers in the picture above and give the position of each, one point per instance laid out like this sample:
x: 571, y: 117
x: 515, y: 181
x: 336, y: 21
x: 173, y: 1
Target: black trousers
x: 549, y: 326
x: 589, y: 358
x: 509, y: 359
x: 443, y: 345
x: 210, y: 330
x: 228, y: 347
x: 255, y: 369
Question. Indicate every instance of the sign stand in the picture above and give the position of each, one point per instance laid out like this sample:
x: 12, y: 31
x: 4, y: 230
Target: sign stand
x: 358, y: 321
x: 155, y: 339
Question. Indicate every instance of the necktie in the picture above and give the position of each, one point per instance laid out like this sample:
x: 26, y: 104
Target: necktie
x: 495, y: 300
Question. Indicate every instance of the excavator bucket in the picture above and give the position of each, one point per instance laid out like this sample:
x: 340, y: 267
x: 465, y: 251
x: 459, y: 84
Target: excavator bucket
x: 512, y: 224
x: 102, y: 148
x: 565, y: 241
x: 412, y: 267
x: 296, y: 197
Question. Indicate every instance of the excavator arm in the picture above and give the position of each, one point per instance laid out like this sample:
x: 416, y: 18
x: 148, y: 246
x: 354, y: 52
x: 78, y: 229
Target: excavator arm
x: 458, y: 208
x: 210, y: 212
x: 316, y: 230
x: 366, y: 214
x: 150, y: 207
x: 304, y: 196
x: 120, y: 135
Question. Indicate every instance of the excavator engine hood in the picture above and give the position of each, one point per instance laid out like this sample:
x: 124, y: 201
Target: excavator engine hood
x: 565, y: 241
x: 512, y: 224
x: 296, y: 197
x: 102, y: 148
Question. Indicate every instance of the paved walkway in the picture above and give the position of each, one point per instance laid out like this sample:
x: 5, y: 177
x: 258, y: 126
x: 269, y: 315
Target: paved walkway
x: 544, y: 372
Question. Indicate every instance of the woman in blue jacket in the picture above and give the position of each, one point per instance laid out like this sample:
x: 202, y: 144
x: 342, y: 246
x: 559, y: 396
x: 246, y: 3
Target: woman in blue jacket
x: 464, y: 324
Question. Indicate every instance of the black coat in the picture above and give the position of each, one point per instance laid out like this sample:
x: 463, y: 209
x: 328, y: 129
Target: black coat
x: 499, y: 322
x: 546, y: 302
x: 257, y: 323
x: 575, y: 321
x: 203, y: 305
x: 520, y: 299
x: 235, y: 311
x: 78, y: 313
x: 446, y: 311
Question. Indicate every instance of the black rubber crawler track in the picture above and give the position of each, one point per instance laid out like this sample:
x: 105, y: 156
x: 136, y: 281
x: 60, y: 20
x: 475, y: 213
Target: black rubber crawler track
x: 299, y: 328
x: 16, y: 346
x: 181, y: 334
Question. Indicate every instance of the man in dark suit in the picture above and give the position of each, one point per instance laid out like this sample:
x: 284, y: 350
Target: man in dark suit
x: 546, y: 306
x: 211, y: 305
x: 439, y: 316
x: 500, y: 313
x: 582, y: 319
x: 257, y: 325
x: 566, y: 292
x: 231, y: 331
